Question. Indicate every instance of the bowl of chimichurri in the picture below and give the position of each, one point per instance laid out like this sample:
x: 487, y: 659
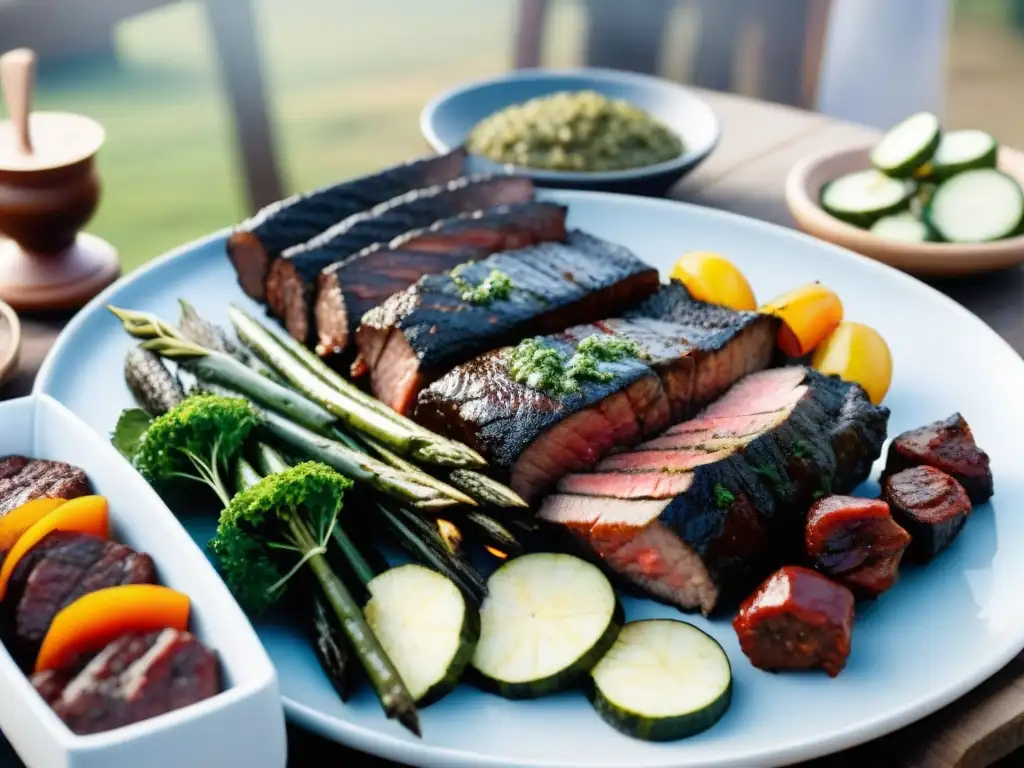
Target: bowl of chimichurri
x: 579, y: 128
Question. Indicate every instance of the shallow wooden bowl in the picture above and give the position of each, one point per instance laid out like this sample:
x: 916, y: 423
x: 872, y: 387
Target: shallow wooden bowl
x: 10, y: 341
x: 803, y: 188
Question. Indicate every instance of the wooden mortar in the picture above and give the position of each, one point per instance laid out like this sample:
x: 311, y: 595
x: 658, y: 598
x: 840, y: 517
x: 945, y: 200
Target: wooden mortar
x: 49, y: 190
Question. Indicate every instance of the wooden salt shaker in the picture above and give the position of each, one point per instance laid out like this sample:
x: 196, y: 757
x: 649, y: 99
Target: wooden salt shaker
x: 49, y: 190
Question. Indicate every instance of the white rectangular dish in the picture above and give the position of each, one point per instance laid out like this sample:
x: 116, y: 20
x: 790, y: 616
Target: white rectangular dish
x: 242, y: 725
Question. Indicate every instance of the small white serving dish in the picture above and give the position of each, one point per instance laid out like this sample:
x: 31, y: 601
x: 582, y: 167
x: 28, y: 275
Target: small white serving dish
x: 241, y: 726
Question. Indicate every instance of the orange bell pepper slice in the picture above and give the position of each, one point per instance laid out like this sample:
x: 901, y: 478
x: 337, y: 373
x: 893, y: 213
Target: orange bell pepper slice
x: 808, y: 314
x: 96, y: 619
x: 86, y: 514
x: 20, y: 519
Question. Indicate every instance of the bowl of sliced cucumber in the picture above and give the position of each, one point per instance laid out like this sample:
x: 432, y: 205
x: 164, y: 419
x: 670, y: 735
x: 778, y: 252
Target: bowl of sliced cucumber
x: 924, y: 200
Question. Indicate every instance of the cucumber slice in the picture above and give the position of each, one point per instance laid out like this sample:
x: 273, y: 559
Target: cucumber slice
x: 961, y: 151
x: 904, y: 227
x: 908, y: 146
x: 978, y: 206
x: 862, y: 198
x: 662, y: 680
x: 546, y: 620
x: 425, y: 626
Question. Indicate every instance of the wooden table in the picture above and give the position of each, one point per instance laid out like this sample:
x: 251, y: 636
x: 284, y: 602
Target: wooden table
x: 746, y: 175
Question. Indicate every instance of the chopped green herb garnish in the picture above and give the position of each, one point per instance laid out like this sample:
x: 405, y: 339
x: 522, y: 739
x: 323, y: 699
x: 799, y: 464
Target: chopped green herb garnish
x: 723, y: 496
x: 541, y: 366
x: 768, y: 472
x: 497, y: 285
x: 801, y: 448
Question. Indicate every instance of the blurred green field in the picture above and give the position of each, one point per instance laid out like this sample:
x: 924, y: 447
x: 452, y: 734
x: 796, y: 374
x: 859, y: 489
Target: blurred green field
x: 347, y: 80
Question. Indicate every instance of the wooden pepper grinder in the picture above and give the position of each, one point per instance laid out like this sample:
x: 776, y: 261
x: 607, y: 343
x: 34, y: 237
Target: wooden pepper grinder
x: 49, y: 190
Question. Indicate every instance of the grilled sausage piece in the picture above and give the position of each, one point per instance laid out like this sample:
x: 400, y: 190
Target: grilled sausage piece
x: 797, y: 619
x: 931, y: 505
x: 856, y: 542
x: 947, y: 445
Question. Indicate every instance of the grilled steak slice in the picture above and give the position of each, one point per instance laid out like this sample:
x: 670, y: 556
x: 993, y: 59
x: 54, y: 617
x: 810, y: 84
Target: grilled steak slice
x: 797, y: 619
x: 531, y: 438
x: 422, y: 333
x: 503, y: 228
x: 856, y: 542
x: 136, y: 677
x: 275, y: 228
x: 931, y: 505
x: 23, y: 479
x: 947, y: 445
x: 68, y: 566
x: 701, y: 512
x: 348, y: 289
x: 291, y: 281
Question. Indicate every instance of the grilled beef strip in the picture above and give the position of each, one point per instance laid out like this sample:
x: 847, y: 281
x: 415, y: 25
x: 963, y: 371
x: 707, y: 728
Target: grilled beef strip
x: 135, y: 677
x: 261, y: 239
x: 23, y: 479
x: 347, y: 289
x: 291, y: 281
x: 695, y: 516
x: 931, y: 505
x: 56, y: 572
x: 422, y: 333
x: 532, y: 438
x: 856, y: 542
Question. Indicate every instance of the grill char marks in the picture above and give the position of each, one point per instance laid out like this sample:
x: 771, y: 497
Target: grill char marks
x: 23, y: 479
x: 422, y: 333
x: 136, y: 677
x: 277, y: 227
x: 532, y: 438
x: 700, y: 513
x: 947, y: 445
x: 348, y: 289
x: 56, y: 572
x: 291, y: 280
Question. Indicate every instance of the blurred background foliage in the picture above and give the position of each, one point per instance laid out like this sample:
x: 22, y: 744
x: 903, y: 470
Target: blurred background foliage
x: 346, y: 84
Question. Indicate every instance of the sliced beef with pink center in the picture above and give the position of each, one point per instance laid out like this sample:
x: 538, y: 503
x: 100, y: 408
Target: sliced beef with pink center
x: 533, y: 438
x: 706, y: 509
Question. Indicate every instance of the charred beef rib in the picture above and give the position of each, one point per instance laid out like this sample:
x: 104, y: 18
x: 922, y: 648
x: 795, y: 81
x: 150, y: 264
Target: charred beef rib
x: 135, y: 677
x: 422, y: 333
x: 259, y: 240
x: 23, y: 479
x: 531, y: 437
x: 348, y: 289
x: 291, y: 281
x: 703, y: 511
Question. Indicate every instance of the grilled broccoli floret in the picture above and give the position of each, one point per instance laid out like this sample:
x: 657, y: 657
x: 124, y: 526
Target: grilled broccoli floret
x: 196, y: 440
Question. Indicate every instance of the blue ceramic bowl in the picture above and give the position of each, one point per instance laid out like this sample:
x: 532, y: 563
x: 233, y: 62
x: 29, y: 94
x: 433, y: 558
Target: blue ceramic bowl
x: 448, y: 119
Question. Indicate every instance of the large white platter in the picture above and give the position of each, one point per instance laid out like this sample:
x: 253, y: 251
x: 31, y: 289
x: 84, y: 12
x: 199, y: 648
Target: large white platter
x: 938, y: 633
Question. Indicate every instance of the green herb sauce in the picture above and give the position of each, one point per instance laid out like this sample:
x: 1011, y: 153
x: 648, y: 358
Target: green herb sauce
x: 723, y: 496
x: 574, y: 131
x: 497, y: 285
x: 541, y: 366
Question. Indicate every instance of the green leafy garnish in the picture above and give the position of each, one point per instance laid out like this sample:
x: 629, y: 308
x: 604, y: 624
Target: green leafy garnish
x: 723, y: 496
x: 127, y: 435
x: 539, y: 365
x: 802, y: 448
x: 497, y: 285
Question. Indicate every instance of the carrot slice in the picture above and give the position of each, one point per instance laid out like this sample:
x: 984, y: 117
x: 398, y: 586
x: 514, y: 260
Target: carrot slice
x: 19, y: 520
x: 86, y: 514
x: 98, y: 618
x: 808, y: 313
